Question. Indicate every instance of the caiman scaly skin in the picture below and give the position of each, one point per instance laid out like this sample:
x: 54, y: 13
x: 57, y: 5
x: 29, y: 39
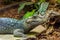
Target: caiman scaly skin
x: 17, y: 27
x: 8, y: 25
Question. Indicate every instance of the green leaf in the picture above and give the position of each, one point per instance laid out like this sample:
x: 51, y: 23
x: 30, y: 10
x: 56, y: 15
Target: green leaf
x: 22, y: 5
x: 41, y: 1
x: 43, y: 8
x: 28, y: 14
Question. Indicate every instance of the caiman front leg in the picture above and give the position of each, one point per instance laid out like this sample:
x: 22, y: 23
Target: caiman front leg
x: 19, y: 33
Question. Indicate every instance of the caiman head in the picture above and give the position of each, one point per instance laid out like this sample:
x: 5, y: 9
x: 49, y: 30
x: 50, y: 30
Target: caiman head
x: 39, y: 20
x: 34, y: 21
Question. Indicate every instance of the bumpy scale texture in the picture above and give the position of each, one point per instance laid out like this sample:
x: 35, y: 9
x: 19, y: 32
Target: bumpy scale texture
x: 8, y: 25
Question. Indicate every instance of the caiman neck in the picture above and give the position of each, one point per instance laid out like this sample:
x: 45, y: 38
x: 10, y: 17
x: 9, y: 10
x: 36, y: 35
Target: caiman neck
x: 29, y: 27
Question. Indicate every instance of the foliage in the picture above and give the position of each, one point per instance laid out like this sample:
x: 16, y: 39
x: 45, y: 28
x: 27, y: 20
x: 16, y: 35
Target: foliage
x: 21, y: 7
x: 28, y: 14
x: 41, y: 7
x: 41, y: 1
